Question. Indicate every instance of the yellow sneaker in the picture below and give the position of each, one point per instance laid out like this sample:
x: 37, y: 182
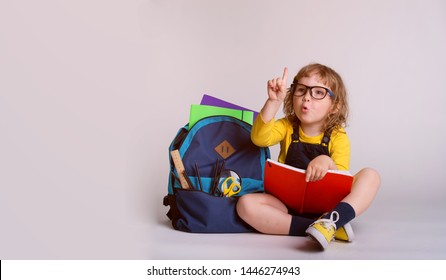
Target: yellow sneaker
x: 323, y: 230
x: 345, y: 233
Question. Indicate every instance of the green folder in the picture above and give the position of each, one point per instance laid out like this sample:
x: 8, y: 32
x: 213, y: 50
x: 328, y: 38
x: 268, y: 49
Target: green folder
x: 198, y: 112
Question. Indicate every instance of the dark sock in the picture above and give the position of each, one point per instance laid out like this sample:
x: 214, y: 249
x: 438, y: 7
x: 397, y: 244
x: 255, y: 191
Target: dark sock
x: 346, y: 214
x: 299, y: 225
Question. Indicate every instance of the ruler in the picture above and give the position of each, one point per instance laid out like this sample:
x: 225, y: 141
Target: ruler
x: 180, y: 168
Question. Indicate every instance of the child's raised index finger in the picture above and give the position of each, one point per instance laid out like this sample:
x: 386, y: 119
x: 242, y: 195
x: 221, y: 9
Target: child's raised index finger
x: 285, y: 74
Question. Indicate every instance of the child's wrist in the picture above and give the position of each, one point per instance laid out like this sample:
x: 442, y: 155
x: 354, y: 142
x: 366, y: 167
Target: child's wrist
x: 275, y: 102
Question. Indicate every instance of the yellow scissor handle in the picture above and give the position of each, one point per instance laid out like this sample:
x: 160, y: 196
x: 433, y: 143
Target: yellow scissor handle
x: 233, y: 188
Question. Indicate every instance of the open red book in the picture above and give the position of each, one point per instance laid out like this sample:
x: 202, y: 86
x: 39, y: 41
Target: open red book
x: 288, y: 184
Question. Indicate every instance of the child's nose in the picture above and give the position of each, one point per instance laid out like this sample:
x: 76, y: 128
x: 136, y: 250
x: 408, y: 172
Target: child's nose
x: 307, y: 95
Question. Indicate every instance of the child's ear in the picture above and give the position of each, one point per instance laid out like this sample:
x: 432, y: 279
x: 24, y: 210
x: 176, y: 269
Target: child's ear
x: 335, y: 108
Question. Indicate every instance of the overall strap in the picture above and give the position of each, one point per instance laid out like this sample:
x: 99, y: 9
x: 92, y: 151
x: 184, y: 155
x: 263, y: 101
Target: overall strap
x: 295, y: 135
x: 325, y: 138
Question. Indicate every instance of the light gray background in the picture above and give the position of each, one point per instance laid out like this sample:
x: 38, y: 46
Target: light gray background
x: 92, y: 92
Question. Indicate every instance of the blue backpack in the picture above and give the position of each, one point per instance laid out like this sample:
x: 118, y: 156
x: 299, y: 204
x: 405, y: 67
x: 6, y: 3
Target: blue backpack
x: 214, y: 149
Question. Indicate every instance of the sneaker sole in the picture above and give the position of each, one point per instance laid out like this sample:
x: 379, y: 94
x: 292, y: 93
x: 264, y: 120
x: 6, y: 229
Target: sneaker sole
x: 349, y: 230
x: 318, y: 237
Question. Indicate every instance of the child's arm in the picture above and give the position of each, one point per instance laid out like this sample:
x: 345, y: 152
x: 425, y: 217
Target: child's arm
x: 276, y: 95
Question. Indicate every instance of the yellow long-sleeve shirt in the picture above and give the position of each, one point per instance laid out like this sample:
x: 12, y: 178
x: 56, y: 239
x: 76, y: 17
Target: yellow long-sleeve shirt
x: 280, y: 131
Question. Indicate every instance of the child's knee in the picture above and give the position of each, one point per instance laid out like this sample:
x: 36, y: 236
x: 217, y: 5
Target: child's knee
x: 371, y: 175
x: 374, y: 175
x: 244, y: 204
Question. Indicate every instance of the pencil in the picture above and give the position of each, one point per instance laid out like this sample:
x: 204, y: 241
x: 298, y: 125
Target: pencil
x: 198, y: 176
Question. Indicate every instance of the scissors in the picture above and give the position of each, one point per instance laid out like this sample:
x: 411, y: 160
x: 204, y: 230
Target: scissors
x: 231, y: 187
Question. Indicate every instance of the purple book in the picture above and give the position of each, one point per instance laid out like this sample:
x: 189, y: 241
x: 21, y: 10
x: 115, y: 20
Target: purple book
x: 213, y: 101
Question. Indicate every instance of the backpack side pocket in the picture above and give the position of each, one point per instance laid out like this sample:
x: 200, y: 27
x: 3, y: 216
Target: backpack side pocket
x: 201, y: 212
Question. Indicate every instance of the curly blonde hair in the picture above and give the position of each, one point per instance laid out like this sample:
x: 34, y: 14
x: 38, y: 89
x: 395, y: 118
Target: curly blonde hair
x: 337, y: 118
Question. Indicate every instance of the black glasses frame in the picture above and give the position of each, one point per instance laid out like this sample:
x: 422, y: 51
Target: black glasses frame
x: 311, y: 91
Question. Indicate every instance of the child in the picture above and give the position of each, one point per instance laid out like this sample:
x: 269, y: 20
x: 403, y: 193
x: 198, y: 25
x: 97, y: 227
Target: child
x: 316, y: 110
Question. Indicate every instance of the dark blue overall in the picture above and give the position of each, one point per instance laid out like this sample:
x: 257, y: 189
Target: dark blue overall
x: 300, y: 154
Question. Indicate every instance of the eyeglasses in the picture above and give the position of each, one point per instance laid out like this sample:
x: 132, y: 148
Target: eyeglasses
x: 316, y: 92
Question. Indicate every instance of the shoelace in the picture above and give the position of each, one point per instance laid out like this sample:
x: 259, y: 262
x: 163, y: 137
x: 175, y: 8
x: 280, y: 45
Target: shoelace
x: 327, y: 223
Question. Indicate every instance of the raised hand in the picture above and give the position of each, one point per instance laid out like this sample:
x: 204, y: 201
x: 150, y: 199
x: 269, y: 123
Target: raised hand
x: 277, y: 87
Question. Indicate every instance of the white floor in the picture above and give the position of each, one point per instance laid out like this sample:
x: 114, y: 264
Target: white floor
x: 394, y: 228
x: 389, y: 230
